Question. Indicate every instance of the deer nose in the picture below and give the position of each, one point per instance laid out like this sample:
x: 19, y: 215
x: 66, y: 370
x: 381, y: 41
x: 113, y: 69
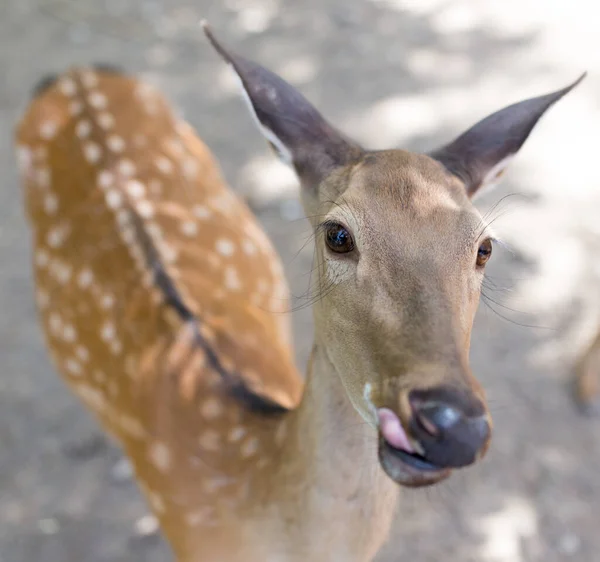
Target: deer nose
x: 452, y: 428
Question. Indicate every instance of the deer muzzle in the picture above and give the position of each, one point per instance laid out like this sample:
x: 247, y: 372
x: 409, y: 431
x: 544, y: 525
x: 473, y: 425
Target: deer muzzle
x: 444, y: 429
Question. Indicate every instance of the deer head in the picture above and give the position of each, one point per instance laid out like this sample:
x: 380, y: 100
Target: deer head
x: 400, y: 255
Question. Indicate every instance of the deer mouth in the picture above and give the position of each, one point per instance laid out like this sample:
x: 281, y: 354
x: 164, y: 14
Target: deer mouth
x: 399, y: 459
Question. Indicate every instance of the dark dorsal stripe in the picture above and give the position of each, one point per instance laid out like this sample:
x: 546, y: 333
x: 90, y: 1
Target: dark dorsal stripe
x: 233, y: 382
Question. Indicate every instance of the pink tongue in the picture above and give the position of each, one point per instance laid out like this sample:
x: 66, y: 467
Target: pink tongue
x: 392, y: 430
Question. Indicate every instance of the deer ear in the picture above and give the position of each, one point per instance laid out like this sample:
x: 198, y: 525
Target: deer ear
x: 293, y: 127
x: 481, y: 155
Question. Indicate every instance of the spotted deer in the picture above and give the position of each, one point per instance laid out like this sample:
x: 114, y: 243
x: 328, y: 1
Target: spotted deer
x: 162, y: 303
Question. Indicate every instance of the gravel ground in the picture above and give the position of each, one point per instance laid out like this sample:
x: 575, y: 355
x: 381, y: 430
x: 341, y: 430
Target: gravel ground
x: 406, y: 73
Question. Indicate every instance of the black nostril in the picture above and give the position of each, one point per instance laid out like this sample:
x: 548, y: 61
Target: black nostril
x: 437, y: 418
x: 450, y: 435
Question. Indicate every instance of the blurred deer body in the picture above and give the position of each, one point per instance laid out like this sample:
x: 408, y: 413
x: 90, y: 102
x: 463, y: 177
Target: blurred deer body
x: 182, y: 354
x: 587, y: 378
x: 162, y: 305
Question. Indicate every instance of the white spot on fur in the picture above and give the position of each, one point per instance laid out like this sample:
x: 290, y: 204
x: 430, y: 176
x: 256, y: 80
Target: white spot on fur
x: 67, y: 87
x: 114, y: 199
x: 83, y: 129
x: 41, y: 258
x: 160, y: 456
x: 115, y: 143
x: 97, y: 100
x: 85, y: 278
x: 56, y: 236
x: 48, y: 129
x: 127, y: 167
x: 105, y: 179
x: 156, y: 502
x: 201, y: 212
x: 250, y: 447
x: 50, y: 204
x: 145, y: 209
x: 132, y: 426
x: 189, y: 228
x: 55, y: 323
x: 73, y: 367
x: 24, y: 158
x: 135, y: 189
x: 232, y: 280
x: 82, y: 353
x: 107, y: 332
x: 236, y: 434
x: 107, y: 301
x: 69, y: 333
x: 225, y: 247
x: 92, y: 397
x: 61, y: 271
x: 89, y: 79
x: 164, y: 165
x: 92, y: 152
x: 123, y: 218
x: 106, y: 120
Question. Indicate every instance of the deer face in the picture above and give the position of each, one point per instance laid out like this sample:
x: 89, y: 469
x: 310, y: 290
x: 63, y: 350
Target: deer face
x: 400, y: 258
x: 400, y: 253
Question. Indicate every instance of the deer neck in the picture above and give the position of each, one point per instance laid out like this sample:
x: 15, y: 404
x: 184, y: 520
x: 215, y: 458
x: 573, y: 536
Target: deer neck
x: 329, y: 469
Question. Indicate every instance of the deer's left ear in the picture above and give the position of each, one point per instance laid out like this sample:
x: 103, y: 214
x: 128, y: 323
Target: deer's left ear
x: 481, y: 155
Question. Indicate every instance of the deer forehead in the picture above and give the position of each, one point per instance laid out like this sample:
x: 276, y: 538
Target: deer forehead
x: 404, y: 197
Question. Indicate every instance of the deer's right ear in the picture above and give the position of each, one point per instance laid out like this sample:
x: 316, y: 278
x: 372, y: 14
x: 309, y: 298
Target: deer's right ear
x: 296, y: 131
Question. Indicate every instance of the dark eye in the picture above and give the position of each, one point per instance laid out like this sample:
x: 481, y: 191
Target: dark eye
x: 338, y: 238
x: 484, y: 252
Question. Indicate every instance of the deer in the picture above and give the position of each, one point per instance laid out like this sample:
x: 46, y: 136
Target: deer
x: 586, y: 380
x: 163, y: 306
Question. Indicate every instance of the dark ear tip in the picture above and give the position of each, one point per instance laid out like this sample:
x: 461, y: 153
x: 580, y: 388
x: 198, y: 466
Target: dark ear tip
x: 580, y: 79
x: 571, y: 86
x: 206, y: 29
x: 214, y: 42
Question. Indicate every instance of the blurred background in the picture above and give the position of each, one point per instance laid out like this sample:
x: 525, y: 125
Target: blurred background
x: 407, y: 73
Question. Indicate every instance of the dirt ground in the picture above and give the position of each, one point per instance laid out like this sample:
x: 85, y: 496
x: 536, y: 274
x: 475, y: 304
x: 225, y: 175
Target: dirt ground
x: 398, y: 73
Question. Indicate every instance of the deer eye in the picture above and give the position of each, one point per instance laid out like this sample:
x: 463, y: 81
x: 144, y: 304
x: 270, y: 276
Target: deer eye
x: 484, y: 252
x: 338, y: 239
